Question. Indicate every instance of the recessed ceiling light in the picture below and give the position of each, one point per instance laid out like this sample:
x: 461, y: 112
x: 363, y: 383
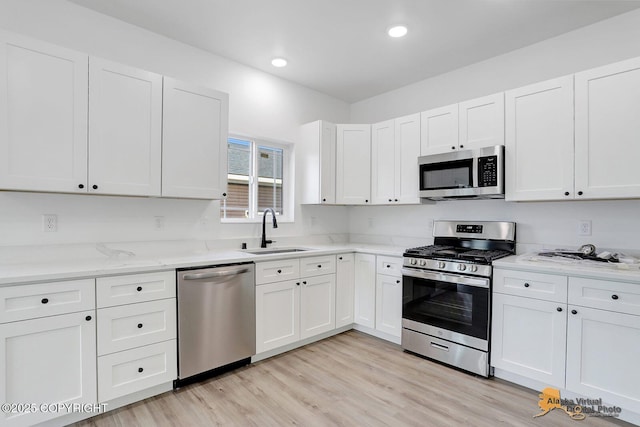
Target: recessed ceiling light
x: 397, y: 31
x: 279, y: 62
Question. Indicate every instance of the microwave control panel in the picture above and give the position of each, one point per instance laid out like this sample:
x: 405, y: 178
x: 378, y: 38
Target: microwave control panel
x: 488, y: 171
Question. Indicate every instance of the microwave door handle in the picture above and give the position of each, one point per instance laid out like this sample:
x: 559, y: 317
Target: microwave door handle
x: 448, y: 278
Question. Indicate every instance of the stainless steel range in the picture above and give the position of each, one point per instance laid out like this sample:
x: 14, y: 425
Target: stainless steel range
x: 446, y: 306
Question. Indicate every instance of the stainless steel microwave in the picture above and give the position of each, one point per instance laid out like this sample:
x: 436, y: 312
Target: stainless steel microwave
x: 463, y: 174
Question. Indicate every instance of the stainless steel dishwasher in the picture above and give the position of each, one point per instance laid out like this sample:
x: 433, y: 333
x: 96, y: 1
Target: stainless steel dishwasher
x: 216, y: 320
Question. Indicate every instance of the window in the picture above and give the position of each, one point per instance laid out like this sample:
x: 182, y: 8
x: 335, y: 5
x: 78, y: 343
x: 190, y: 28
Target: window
x: 257, y: 179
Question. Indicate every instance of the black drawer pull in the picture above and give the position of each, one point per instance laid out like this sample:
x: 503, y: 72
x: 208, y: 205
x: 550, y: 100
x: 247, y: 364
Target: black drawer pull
x: 614, y: 296
x: 139, y: 288
x: 140, y: 369
x: 566, y: 193
x: 304, y: 282
x: 580, y: 193
x: 95, y: 187
x: 81, y: 186
x: 574, y: 311
x: 340, y: 258
x: 87, y: 318
x: 279, y: 271
x: 139, y: 325
x: 297, y: 283
x: 44, y: 300
x: 319, y: 265
x: 559, y: 308
x: 388, y: 266
x: 526, y: 285
x: 397, y: 281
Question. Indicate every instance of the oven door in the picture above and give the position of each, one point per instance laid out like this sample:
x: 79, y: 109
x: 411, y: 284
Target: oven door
x: 449, y: 306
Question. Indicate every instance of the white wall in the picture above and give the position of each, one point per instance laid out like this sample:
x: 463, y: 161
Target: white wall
x: 551, y: 224
x: 260, y: 105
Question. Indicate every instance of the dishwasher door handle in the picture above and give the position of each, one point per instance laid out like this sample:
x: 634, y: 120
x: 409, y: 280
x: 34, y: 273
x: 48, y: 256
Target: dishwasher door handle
x: 214, y: 274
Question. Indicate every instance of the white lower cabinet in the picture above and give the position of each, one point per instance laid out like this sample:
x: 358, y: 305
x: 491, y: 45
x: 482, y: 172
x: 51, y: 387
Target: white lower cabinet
x: 47, y: 360
x: 389, y: 304
x: 586, y: 340
x: 529, y: 337
x: 291, y: 310
x: 345, y: 289
x: 365, y: 290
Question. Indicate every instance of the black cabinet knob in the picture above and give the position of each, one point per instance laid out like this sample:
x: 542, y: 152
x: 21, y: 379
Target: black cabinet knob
x: 87, y: 318
x: 574, y: 311
x: 366, y: 201
x: 224, y: 194
x: 279, y: 271
x: 139, y: 325
x: 580, y: 193
x: 319, y: 265
x: 95, y: 187
x: 390, y: 200
x: 559, y: 308
x: 80, y: 186
x: 614, y: 296
x: 395, y: 200
x: 340, y: 258
x: 324, y: 200
x: 526, y: 285
x: 566, y: 193
x: 388, y: 266
x: 139, y: 288
x: 461, y: 146
x: 297, y: 283
x: 453, y: 148
x: 304, y: 282
x: 140, y: 369
x: 397, y: 281
x: 44, y: 300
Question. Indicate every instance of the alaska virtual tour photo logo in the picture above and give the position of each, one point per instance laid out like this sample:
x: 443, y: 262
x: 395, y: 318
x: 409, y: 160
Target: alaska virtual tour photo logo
x: 578, y: 408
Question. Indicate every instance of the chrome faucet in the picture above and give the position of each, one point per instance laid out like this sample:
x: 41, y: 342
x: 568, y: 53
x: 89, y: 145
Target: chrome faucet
x: 264, y: 233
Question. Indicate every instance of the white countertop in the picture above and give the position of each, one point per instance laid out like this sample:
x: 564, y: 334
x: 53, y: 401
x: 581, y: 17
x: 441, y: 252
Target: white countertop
x: 580, y: 268
x: 21, y: 265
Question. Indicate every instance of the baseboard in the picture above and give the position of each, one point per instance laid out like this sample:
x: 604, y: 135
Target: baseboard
x: 297, y: 344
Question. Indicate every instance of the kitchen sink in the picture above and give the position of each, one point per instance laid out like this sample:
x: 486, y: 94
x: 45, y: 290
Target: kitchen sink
x: 271, y: 251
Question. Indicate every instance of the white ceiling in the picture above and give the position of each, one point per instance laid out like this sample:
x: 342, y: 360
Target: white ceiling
x: 340, y: 47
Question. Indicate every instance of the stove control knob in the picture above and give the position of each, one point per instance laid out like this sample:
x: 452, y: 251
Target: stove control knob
x: 413, y: 261
x: 462, y: 267
x: 423, y: 263
x: 473, y: 268
x: 441, y: 264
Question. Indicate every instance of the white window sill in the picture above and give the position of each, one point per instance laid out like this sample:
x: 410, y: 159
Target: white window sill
x: 255, y: 220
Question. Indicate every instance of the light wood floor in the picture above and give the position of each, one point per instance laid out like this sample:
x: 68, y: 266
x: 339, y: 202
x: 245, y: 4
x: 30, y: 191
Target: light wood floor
x: 351, y: 379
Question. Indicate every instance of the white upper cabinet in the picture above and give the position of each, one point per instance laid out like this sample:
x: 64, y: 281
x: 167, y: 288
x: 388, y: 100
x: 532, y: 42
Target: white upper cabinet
x: 353, y: 164
x: 395, y: 148
x: 194, y: 143
x: 439, y: 130
x: 481, y: 122
x: 539, y: 141
x: 383, y: 162
x: 125, y: 126
x: 316, y: 158
x: 43, y: 116
x: 607, y: 108
x: 471, y: 124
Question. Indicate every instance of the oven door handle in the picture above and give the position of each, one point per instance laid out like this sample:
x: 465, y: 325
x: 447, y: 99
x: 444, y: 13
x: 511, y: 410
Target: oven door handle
x: 448, y: 278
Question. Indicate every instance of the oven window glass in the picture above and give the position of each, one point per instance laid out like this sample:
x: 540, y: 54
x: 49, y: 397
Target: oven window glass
x: 457, y: 174
x: 458, y: 308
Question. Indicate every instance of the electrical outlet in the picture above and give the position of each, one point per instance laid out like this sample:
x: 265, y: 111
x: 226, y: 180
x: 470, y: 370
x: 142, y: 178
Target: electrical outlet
x: 584, y: 227
x: 49, y: 223
x: 158, y: 222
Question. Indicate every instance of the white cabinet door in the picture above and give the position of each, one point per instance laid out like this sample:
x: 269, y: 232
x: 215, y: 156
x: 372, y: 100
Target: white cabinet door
x: 607, y: 108
x: 48, y: 360
x: 43, y: 116
x: 277, y: 314
x: 383, y: 162
x: 439, y: 130
x: 365, y: 290
x: 345, y: 283
x: 481, y: 122
x: 529, y: 337
x: 327, y: 163
x: 125, y: 129
x: 353, y: 164
x: 316, y: 163
x: 539, y: 141
x: 317, y: 305
x: 389, y: 304
x: 407, y: 130
x: 194, y: 141
x: 602, y: 356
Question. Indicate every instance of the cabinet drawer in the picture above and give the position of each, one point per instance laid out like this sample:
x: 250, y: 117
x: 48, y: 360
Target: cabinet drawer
x: 129, y: 371
x: 318, y: 265
x: 275, y: 271
x: 135, y: 325
x: 548, y: 287
x: 391, y: 266
x: 46, y: 299
x: 118, y: 290
x: 605, y: 294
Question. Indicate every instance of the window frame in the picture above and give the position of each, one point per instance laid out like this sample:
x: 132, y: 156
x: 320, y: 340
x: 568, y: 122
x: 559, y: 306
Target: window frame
x: 287, y: 180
